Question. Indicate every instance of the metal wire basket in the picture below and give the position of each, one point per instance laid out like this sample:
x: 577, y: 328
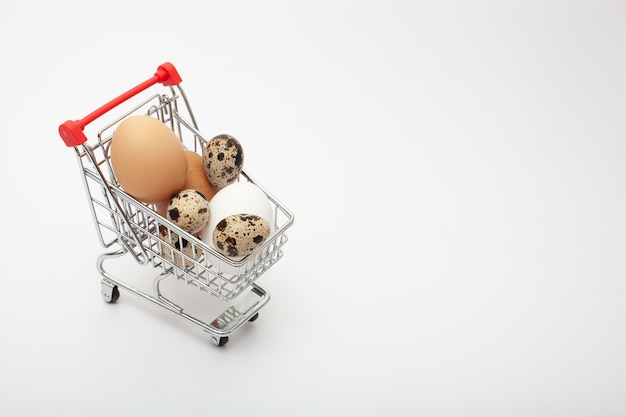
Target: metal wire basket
x: 126, y: 226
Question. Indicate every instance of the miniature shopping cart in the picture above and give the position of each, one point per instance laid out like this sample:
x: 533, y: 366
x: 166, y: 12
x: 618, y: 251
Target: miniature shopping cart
x: 126, y: 226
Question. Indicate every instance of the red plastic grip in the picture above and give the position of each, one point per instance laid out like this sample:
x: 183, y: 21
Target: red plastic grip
x: 72, y: 130
x: 168, y: 76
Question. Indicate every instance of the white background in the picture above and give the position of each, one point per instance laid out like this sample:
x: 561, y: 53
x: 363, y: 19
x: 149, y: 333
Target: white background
x: 457, y: 170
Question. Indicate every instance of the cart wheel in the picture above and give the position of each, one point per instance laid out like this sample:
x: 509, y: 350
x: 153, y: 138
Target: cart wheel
x: 110, y: 293
x: 115, y: 294
x: 253, y: 318
x: 219, y: 341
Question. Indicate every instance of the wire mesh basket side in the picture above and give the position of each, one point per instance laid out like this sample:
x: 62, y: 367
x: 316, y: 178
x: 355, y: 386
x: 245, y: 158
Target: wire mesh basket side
x: 151, y: 238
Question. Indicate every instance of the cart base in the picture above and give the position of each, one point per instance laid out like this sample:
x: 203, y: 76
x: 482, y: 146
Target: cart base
x: 244, y: 308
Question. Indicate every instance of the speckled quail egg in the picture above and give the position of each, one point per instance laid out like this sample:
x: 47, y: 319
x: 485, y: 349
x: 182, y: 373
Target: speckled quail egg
x: 239, y: 235
x: 189, y: 210
x: 222, y: 157
x: 180, y: 245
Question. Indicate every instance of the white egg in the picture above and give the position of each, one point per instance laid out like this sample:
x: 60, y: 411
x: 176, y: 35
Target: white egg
x: 236, y: 198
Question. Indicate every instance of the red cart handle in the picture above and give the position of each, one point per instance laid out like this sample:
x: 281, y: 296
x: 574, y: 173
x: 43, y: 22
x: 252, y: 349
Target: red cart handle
x: 72, y: 130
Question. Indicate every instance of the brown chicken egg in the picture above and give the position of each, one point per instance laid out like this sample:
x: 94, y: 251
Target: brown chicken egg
x: 196, y: 177
x: 148, y: 159
x: 196, y: 180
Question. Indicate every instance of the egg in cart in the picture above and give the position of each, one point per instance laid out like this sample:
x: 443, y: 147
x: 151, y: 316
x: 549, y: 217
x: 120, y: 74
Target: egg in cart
x: 129, y: 227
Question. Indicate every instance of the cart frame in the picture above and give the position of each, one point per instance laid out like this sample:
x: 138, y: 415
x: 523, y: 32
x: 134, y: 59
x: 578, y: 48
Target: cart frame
x: 126, y: 226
